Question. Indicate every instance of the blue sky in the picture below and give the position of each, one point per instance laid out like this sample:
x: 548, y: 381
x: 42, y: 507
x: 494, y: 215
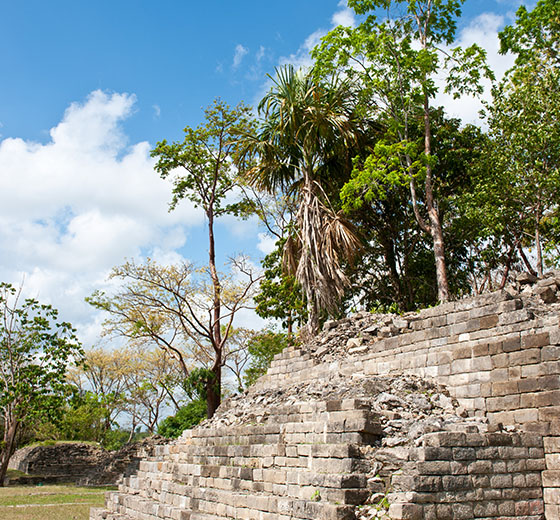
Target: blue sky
x: 88, y: 88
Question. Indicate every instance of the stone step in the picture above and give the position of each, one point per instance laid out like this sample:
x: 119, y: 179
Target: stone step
x: 253, y: 507
x: 98, y: 513
x: 136, y: 506
x: 218, y: 504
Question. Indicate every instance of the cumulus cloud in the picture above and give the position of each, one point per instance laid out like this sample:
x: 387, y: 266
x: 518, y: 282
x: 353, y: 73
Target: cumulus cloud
x: 483, y: 30
x: 267, y: 243
x: 239, y: 54
x: 345, y: 16
x: 73, y: 207
x: 301, y: 58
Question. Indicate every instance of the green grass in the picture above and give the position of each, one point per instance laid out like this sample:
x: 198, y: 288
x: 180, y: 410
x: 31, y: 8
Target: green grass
x: 57, y: 502
x: 13, y: 473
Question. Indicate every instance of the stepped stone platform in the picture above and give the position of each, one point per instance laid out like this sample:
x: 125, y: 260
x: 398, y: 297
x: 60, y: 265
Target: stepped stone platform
x: 85, y: 464
x: 449, y: 413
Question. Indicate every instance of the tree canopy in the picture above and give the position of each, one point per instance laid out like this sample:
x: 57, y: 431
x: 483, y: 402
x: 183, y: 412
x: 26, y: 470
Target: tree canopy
x: 36, y: 350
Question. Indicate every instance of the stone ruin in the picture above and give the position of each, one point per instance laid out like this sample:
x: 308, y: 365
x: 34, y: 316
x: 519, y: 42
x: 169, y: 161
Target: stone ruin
x: 85, y: 464
x: 449, y: 413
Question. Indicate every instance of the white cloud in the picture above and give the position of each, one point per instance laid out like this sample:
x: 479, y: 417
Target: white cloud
x: 344, y: 17
x: 301, y: 58
x: 72, y: 208
x: 260, y: 54
x: 239, y: 54
x: 267, y: 243
x: 483, y: 30
x: 157, y: 110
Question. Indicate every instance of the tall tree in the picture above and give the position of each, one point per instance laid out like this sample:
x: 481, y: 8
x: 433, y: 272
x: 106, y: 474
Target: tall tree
x: 173, y: 308
x: 518, y: 182
x: 517, y: 196
x: 306, y: 130
x: 203, y: 172
x: 396, y: 61
x: 534, y: 32
x: 36, y: 350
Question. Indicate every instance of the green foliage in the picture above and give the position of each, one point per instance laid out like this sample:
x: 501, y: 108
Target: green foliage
x: 186, y: 417
x: 535, y: 32
x: 395, y: 63
x: 518, y: 186
x: 207, y: 155
x: 381, y: 171
x: 197, y: 382
x: 279, y: 294
x: 115, y: 439
x: 262, y: 348
x: 36, y: 350
x: 86, y: 419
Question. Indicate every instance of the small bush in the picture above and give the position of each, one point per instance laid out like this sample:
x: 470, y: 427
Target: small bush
x: 187, y: 417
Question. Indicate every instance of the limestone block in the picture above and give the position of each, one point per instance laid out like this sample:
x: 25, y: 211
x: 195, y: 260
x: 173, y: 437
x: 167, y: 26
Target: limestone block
x: 404, y: 511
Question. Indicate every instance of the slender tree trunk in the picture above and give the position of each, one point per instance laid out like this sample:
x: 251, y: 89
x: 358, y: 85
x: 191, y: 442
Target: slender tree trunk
x: 8, y: 448
x: 525, y: 259
x: 435, y: 224
x: 507, y: 268
x: 132, y: 430
x: 538, y: 245
x: 389, y: 254
x: 289, y: 325
x: 213, y: 388
x: 312, y: 316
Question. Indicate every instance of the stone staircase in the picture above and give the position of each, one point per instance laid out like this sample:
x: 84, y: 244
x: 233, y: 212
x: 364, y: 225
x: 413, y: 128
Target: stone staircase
x: 450, y: 413
x: 301, y: 464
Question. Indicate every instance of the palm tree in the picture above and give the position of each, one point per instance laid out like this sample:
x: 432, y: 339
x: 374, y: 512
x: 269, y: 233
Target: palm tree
x: 306, y: 132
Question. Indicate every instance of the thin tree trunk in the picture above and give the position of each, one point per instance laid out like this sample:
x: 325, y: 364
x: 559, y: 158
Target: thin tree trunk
x: 213, y: 388
x: 538, y: 245
x: 435, y: 224
x: 312, y: 317
x: 507, y: 268
x: 389, y: 254
x: 7, y: 449
x: 525, y: 259
x: 132, y: 430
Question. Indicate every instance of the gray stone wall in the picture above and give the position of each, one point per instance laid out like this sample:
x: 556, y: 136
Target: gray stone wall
x: 349, y: 425
x: 85, y: 464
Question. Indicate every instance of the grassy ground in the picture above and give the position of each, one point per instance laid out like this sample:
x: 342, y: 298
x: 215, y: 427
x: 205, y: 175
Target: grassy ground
x: 60, y: 502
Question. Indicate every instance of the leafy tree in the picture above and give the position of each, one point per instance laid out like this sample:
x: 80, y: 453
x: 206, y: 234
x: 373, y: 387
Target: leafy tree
x: 152, y: 384
x: 262, y: 348
x: 395, y: 62
x: 536, y: 31
x: 205, y: 160
x: 172, y: 308
x: 521, y: 188
x: 516, y: 194
x: 279, y: 294
x: 36, y: 350
x: 303, y: 138
x: 85, y: 419
x: 186, y: 417
x: 102, y: 379
x: 396, y: 262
